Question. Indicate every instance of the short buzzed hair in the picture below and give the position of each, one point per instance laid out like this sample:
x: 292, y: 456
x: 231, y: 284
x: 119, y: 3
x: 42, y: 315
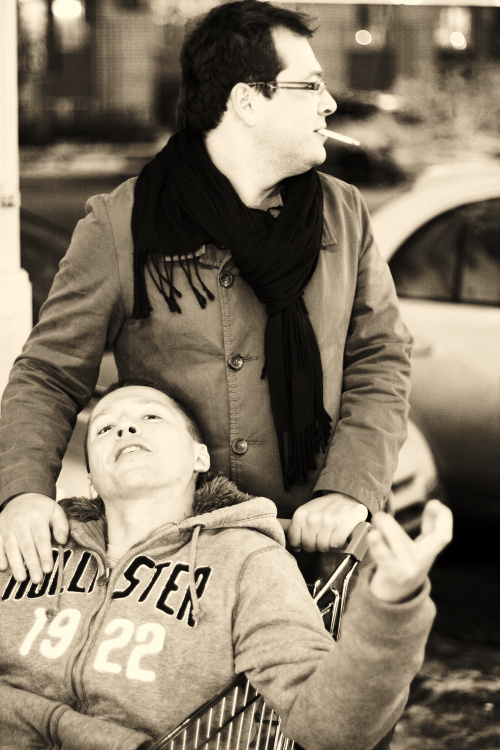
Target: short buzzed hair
x: 192, y: 424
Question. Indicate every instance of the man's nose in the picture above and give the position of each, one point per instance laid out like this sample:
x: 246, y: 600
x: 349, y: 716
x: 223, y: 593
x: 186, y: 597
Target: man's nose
x: 128, y: 428
x: 327, y: 104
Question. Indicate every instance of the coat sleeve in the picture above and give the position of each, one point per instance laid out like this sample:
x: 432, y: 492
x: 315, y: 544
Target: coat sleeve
x: 374, y: 407
x: 32, y: 720
x: 346, y: 694
x: 54, y: 377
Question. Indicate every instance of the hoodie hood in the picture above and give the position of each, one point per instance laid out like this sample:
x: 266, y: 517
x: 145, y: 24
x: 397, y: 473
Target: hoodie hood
x: 217, y: 504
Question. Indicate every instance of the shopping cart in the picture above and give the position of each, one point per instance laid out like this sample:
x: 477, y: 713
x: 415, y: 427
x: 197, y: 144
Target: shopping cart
x: 238, y: 718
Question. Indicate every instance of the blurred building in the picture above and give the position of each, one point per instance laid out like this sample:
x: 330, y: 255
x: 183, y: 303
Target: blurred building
x: 88, y: 68
x: 367, y: 46
x: 109, y: 68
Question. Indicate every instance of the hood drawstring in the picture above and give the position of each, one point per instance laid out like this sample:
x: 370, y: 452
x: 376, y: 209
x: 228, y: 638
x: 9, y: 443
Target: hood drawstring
x: 197, y: 611
x: 53, y: 611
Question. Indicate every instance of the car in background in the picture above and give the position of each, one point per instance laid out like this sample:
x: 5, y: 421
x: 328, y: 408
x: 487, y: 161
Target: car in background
x: 42, y: 246
x: 442, y: 241
x: 370, y: 118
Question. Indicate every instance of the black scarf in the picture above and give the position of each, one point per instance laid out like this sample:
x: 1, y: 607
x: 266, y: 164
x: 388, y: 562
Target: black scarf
x: 182, y: 202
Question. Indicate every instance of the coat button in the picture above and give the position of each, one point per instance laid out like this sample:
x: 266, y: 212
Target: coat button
x: 239, y: 446
x: 235, y: 362
x: 226, y: 279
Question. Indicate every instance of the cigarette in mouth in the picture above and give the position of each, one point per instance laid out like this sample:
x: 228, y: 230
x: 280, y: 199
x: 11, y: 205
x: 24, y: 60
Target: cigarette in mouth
x: 339, y: 137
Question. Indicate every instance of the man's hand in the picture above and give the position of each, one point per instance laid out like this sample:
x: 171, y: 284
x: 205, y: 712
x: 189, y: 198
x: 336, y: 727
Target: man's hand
x: 25, y: 525
x: 403, y: 563
x: 325, y: 523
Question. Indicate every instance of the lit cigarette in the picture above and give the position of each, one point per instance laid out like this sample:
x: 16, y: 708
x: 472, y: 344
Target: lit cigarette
x: 339, y: 137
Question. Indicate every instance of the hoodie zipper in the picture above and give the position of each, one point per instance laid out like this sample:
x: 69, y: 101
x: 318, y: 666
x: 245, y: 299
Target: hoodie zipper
x: 99, y: 556
x: 107, y: 580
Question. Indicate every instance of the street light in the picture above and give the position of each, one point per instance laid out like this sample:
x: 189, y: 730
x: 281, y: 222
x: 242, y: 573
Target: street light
x: 67, y: 8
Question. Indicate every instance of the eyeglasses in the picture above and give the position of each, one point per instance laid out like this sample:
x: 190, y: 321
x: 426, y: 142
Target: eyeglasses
x: 317, y: 86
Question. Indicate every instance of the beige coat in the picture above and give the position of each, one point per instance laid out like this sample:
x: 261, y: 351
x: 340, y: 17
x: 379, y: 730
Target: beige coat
x: 215, y: 357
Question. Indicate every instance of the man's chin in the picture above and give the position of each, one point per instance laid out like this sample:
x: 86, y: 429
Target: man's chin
x: 305, y: 166
x: 317, y: 158
x: 134, y: 481
x: 321, y: 157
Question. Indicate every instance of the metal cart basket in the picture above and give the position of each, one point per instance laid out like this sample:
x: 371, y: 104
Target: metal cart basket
x: 238, y: 717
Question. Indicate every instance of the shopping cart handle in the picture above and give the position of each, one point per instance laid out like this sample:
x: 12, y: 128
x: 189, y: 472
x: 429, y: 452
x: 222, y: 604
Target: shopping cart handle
x: 358, y: 541
x: 331, y: 596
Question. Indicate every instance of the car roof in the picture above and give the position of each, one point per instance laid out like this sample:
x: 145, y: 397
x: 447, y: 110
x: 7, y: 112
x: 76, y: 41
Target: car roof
x: 437, y: 190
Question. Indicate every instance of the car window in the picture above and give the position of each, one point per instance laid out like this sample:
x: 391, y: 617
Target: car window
x: 481, y: 263
x: 455, y: 257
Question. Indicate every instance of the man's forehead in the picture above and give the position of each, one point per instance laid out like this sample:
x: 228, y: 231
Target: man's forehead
x: 134, y: 394
x: 296, y: 54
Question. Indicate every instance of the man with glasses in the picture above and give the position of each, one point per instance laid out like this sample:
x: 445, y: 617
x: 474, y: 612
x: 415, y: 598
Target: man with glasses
x: 234, y: 272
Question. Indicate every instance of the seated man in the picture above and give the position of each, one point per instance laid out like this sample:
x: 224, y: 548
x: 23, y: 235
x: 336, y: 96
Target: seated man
x: 163, y: 592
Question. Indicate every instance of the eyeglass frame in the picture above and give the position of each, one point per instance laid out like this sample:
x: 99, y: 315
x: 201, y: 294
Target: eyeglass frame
x: 317, y: 86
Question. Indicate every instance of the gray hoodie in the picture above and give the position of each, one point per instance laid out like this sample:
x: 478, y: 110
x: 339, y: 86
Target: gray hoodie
x: 105, y: 659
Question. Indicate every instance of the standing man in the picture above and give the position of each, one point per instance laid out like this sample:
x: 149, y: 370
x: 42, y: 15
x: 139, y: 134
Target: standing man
x: 234, y: 272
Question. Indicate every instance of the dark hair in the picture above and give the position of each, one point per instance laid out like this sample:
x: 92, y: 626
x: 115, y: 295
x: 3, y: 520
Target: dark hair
x: 192, y: 424
x: 232, y: 43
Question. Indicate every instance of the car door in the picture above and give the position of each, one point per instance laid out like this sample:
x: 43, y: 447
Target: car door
x: 447, y: 274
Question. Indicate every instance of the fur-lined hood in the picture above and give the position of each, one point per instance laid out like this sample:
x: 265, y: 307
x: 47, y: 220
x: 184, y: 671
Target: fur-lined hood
x: 218, y: 503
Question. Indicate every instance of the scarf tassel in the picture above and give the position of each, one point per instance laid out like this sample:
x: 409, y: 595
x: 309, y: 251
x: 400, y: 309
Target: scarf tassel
x: 186, y: 265
x: 203, y: 285
x: 161, y: 272
x: 164, y: 282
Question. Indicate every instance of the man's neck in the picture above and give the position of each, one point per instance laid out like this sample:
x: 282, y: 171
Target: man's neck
x: 132, y: 518
x: 237, y: 162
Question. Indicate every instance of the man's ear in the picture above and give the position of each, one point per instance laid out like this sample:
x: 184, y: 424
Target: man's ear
x: 92, y: 490
x: 203, y: 459
x: 241, y: 101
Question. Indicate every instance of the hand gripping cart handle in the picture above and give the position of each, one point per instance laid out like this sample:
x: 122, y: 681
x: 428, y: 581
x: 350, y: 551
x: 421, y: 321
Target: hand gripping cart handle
x: 238, y: 718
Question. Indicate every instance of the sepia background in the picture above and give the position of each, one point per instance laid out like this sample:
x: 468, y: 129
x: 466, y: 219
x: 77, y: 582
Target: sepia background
x: 418, y: 84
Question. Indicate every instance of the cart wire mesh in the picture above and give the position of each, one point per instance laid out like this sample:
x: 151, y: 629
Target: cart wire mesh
x: 237, y: 718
